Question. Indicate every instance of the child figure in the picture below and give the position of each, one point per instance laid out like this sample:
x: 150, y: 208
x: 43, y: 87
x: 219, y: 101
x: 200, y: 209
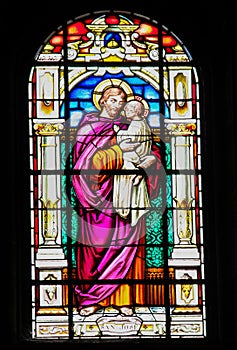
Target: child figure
x: 130, y: 195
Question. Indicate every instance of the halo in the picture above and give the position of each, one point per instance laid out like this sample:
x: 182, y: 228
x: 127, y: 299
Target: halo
x: 143, y: 101
x: 105, y: 84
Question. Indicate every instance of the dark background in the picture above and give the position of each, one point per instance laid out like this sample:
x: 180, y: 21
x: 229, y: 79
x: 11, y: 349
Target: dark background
x: 208, y: 32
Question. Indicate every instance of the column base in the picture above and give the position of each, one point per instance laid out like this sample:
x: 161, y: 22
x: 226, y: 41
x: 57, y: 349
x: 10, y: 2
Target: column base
x: 51, y: 311
x: 186, y: 309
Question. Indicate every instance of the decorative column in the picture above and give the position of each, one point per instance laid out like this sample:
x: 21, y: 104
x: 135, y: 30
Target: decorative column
x: 50, y: 259
x: 185, y: 256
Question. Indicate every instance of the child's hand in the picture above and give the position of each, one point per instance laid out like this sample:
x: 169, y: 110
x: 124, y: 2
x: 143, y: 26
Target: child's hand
x: 116, y: 128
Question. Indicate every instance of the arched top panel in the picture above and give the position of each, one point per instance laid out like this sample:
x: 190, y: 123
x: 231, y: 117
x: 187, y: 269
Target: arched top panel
x: 113, y: 37
x: 96, y: 78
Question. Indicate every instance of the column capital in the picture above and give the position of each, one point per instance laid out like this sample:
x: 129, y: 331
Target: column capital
x: 48, y: 127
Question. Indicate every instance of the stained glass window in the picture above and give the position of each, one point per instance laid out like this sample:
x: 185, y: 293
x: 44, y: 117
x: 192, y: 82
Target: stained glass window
x: 117, y: 241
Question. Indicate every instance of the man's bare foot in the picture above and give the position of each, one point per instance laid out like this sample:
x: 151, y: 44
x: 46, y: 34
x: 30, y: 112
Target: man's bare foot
x: 89, y: 310
x: 126, y: 310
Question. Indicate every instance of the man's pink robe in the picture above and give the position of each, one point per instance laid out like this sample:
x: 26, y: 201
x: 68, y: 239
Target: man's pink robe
x: 107, y: 243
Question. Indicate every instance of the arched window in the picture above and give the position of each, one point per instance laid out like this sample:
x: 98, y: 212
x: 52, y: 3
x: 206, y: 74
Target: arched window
x: 117, y: 231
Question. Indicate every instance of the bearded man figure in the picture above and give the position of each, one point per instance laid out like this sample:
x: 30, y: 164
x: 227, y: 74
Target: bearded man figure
x: 110, y: 249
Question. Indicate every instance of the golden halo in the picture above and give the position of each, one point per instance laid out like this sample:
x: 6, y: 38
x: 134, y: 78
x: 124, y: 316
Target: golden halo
x: 144, y: 102
x: 107, y: 83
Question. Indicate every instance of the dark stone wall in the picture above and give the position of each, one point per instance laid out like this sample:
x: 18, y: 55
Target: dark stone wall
x: 209, y: 36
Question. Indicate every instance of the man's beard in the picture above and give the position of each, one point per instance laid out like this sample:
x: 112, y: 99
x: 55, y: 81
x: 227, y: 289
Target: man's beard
x: 112, y: 112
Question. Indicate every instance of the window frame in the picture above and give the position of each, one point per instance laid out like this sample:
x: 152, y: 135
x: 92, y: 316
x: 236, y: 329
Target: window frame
x: 19, y: 308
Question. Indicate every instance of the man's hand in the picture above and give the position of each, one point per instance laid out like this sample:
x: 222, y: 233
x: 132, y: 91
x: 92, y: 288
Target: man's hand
x: 136, y: 179
x: 128, y: 146
x: 147, y: 161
